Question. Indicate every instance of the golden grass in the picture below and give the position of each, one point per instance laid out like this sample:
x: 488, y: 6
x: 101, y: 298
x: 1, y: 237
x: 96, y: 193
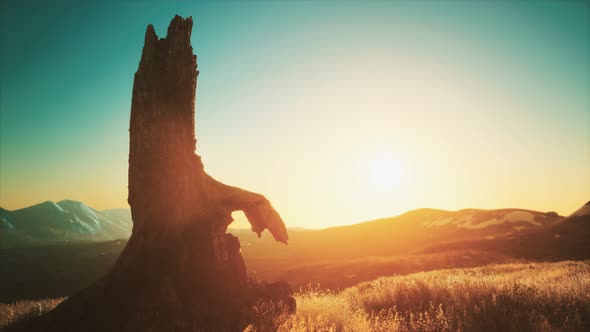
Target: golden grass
x: 23, y: 310
x: 510, y: 297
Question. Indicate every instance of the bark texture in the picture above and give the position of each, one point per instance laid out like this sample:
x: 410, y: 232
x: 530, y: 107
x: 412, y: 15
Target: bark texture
x: 180, y: 271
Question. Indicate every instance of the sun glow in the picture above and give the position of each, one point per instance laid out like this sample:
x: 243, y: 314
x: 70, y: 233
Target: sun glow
x: 385, y: 172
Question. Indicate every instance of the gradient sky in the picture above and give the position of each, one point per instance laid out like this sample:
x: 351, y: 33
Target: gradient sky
x: 472, y: 103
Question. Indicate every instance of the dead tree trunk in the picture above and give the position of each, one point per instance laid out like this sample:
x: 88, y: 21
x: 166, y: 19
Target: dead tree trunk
x: 179, y: 270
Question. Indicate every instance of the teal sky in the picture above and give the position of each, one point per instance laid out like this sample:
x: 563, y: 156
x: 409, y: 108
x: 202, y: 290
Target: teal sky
x: 472, y: 103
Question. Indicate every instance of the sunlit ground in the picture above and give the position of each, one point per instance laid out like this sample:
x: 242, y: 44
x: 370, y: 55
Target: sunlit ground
x: 510, y: 297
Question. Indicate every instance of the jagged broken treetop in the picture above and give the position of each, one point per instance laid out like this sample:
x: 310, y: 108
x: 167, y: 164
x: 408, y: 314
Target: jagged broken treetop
x: 167, y: 182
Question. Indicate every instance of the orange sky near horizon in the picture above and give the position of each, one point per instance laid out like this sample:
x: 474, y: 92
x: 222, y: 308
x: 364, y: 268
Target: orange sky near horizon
x: 336, y: 115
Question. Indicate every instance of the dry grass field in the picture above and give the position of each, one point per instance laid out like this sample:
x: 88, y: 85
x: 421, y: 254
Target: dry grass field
x: 506, y: 297
x: 25, y: 310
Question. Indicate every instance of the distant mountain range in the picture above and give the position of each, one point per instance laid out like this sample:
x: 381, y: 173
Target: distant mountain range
x: 64, y: 221
x: 419, y: 240
x: 52, y: 249
x: 73, y: 221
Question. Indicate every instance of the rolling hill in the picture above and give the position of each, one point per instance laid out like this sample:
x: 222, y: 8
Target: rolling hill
x: 507, y: 297
x: 61, y: 222
x: 419, y: 240
x: 410, y: 232
x: 338, y: 257
x: 566, y: 238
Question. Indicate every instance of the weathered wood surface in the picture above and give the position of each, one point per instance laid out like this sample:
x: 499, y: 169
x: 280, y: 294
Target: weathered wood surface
x: 180, y: 271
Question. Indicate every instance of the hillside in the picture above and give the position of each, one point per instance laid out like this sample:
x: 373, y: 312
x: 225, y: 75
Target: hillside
x: 564, y: 239
x: 407, y: 233
x: 402, y: 244
x: 54, y: 271
x: 61, y: 222
x: 334, y: 258
x: 67, y: 221
x: 510, y: 297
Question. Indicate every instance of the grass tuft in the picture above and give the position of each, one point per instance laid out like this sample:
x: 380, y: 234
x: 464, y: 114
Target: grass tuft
x: 509, y: 297
x: 21, y: 311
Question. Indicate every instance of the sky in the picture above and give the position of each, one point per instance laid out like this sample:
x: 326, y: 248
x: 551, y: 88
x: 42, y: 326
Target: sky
x: 338, y: 112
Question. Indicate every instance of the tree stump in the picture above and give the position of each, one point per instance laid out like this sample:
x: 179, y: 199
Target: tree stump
x: 180, y: 271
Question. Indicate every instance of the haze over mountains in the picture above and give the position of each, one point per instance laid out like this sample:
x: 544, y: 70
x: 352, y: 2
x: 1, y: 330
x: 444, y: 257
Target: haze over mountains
x: 53, y: 249
x: 61, y: 222
x: 419, y: 240
x: 71, y: 221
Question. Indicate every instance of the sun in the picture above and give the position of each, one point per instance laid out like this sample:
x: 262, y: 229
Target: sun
x: 385, y: 172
